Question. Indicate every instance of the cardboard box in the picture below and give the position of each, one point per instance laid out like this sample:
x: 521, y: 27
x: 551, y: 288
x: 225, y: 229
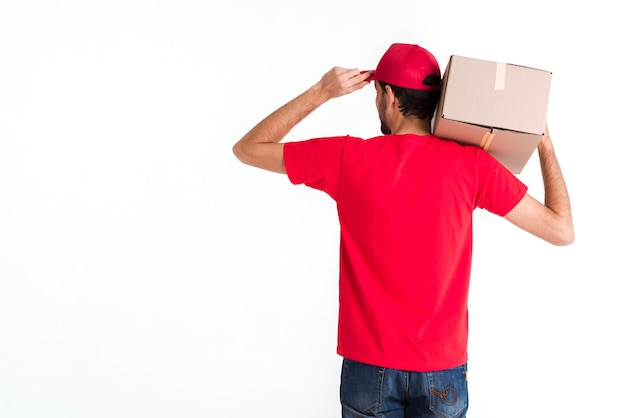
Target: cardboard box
x: 501, y: 108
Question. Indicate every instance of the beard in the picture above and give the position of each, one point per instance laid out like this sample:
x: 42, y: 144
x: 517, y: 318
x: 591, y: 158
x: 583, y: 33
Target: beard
x: 384, y: 128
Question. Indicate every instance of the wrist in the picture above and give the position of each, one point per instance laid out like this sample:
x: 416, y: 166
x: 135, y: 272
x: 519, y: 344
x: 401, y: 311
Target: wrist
x: 545, y: 145
x: 317, y: 94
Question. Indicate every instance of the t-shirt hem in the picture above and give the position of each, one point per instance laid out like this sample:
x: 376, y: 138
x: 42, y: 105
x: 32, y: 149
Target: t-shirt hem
x: 518, y: 198
x: 404, y: 365
x: 287, y: 160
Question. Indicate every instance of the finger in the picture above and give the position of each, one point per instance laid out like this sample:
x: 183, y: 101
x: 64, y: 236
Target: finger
x: 359, y: 85
x: 358, y: 74
x: 369, y: 73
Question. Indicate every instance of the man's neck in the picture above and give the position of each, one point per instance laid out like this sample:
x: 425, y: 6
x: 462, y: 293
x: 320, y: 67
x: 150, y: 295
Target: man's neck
x: 412, y: 126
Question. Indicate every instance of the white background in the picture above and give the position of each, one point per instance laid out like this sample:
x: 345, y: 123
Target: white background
x: 145, y: 272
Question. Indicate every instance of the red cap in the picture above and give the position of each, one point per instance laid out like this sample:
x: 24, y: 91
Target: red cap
x: 407, y: 65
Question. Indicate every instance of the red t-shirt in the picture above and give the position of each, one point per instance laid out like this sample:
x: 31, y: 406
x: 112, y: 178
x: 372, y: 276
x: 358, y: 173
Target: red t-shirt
x: 405, y: 205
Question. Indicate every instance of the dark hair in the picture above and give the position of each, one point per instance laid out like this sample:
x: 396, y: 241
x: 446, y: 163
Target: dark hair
x: 418, y: 103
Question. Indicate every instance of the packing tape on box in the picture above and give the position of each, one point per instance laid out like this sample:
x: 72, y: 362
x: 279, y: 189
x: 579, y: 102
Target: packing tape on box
x: 486, y: 141
x: 500, y: 76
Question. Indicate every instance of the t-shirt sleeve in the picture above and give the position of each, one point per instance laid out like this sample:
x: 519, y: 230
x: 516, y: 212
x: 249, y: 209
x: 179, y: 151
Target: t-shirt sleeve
x: 315, y: 163
x: 499, y: 190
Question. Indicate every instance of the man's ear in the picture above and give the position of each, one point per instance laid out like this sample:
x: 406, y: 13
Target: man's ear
x: 389, y: 97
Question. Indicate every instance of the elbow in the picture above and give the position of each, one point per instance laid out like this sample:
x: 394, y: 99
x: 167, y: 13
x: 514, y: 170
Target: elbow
x: 239, y: 152
x: 564, y: 240
x: 568, y: 238
x: 565, y: 236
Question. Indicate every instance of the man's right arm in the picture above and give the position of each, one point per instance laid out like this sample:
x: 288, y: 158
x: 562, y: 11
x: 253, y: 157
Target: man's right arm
x: 261, y: 146
x: 551, y: 221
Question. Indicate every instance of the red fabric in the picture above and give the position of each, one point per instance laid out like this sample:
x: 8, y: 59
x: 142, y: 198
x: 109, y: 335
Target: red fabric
x: 407, y: 65
x: 405, y: 205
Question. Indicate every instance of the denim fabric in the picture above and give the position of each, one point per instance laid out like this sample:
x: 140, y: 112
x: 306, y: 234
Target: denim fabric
x: 371, y: 391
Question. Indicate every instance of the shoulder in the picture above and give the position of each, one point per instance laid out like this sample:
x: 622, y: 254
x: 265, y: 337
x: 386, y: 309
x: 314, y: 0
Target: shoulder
x: 318, y: 141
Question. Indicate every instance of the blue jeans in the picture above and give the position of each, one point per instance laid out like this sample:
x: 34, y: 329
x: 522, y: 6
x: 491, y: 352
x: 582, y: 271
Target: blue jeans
x: 371, y: 391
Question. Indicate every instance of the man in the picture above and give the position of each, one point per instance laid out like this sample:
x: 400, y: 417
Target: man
x: 405, y: 202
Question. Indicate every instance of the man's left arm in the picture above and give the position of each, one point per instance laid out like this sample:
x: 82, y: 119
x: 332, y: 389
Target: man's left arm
x: 551, y: 221
x: 261, y: 146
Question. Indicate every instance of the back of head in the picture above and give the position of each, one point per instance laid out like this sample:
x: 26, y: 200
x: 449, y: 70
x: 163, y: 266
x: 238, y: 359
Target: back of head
x: 414, y: 75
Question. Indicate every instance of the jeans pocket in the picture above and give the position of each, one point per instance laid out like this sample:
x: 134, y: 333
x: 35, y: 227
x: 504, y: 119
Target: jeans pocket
x: 361, y: 386
x: 448, y: 392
